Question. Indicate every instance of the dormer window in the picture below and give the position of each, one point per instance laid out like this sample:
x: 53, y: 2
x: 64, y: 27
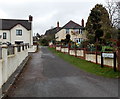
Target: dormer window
x: 67, y: 31
x: 18, y: 32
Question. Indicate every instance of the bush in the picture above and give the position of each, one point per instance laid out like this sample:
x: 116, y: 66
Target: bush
x: 44, y: 42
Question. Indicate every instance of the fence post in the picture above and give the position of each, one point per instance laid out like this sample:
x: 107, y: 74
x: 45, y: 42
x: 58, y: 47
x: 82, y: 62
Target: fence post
x: 21, y: 48
x: 84, y: 53
x: 118, y: 53
x: 69, y: 48
x: 96, y: 57
x: 60, y: 47
x: 118, y: 58
x: 15, y: 49
x: 102, y: 62
x: 5, y: 63
x: 75, y: 50
x: 115, y: 62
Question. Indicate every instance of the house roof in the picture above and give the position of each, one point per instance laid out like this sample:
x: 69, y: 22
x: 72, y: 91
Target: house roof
x: 52, y: 31
x: 7, y: 24
x: 72, y: 25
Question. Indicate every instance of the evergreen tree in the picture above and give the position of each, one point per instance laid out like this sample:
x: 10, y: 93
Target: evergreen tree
x: 98, y: 23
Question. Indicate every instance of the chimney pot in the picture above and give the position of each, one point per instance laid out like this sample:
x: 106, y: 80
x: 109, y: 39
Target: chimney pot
x: 58, y: 24
x: 30, y: 18
x: 82, y: 22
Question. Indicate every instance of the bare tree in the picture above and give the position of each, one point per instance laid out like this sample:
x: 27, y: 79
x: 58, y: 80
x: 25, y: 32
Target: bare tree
x: 118, y: 14
x: 112, y: 7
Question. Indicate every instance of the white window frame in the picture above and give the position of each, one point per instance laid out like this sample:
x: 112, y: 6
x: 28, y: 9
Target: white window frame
x: 18, y: 32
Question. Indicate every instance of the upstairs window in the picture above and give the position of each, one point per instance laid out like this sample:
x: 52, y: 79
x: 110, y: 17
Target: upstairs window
x: 80, y: 31
x: 67, y: 31
x: 19, y: 32
x: 4, y: 35
x: 76, y: 30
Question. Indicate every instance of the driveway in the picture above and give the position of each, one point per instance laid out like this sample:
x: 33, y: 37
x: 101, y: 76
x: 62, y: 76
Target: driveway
x: 47, y: 75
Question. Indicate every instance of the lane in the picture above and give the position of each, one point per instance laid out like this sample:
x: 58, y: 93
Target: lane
x: 47, y: 75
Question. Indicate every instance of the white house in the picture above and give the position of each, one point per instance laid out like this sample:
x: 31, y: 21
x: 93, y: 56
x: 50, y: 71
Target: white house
x: 16, y: 31
x: 76, y: 32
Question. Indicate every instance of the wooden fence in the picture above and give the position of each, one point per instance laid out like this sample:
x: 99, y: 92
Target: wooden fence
x: 90, y: 56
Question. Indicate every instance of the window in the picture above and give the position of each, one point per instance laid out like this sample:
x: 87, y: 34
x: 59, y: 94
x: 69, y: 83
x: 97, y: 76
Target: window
x: 80, y: 31
x: 81, y: 39
x: 76, y: 30
x: 67, y: 30
x: 4, y: 35
x: 18, y: 32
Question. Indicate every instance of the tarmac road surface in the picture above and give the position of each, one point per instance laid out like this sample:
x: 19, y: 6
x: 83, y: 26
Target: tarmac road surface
x: 47, y: 75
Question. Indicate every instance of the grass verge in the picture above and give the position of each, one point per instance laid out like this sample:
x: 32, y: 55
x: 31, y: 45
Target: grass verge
x: 87, y: 66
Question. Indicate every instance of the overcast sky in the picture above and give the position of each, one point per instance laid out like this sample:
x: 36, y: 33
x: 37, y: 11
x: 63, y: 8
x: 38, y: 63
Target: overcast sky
x: 46, y: 13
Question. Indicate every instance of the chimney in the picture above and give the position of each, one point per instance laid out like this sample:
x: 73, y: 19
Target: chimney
x: 82, y: 22
x: 30, y: 18
x: 58, y: 24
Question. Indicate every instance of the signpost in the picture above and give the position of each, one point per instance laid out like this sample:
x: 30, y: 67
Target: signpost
x: 108, y: 55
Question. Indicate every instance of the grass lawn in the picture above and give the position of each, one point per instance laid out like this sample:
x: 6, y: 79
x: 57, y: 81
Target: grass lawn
x: 87, y: 66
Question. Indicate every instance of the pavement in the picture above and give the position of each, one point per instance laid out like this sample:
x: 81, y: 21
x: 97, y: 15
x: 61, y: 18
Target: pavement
x: 47, y: 75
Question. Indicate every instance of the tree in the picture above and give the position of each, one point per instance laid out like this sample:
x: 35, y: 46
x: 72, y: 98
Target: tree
x: 118, y: 15
x: 98, y: 34
x: 98, y: 23
x: 44, y: 42
x: 38, y: 35
x: 113, y: 7
x: 67, y: 38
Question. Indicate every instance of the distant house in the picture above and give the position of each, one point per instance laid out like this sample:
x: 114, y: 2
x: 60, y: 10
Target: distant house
x: 76, y: 31
x: 51, y: 32
x: 16, y: 31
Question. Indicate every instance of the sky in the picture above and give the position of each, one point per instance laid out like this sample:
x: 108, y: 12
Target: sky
x: 46, y: 13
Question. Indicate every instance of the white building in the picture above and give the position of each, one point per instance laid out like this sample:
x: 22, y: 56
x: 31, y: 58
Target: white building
x: 16, y: 31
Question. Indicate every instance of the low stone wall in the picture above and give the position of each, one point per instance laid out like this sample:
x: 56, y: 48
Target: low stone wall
x: 58, y: 48
x: 9, y: 63
x: 72, y: 52
x: 80, y: 53
x: 106, y: 61
x: 91, y: 57
x: 64, y: 50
